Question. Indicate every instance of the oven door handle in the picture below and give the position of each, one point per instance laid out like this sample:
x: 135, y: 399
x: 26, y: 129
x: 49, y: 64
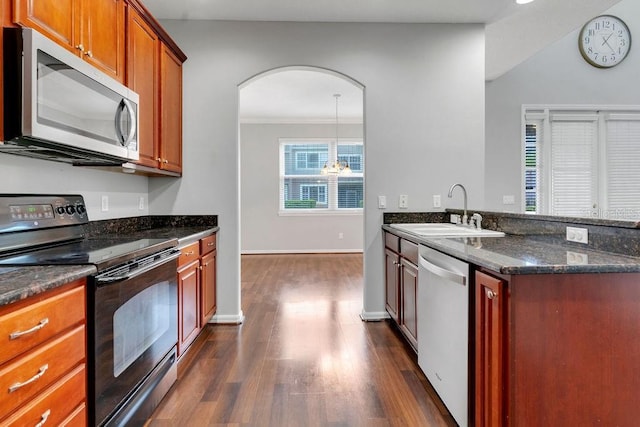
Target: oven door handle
x: 107, y: 279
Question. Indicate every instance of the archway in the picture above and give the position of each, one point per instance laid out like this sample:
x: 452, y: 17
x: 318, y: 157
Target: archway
x: 290, y: 126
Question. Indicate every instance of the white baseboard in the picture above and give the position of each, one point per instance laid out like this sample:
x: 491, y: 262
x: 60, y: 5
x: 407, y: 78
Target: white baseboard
x: 374, y: 316
x: 300, y: 251
x: 232, y: 319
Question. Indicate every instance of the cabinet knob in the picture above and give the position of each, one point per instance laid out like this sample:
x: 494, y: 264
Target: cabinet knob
x: 89, y: 54
x: 491, y: 294
x: 200, y: 268
x: 80, y: 47
x: 165, y: 161
x: 158, y: 159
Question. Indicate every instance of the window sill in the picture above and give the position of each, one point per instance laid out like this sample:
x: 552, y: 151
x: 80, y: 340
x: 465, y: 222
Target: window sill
x: 309, y: 212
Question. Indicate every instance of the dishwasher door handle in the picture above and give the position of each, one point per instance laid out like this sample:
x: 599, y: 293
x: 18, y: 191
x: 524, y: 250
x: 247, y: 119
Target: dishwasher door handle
x: 452, y: 276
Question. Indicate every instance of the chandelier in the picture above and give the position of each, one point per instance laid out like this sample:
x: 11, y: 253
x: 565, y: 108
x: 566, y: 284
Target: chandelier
x: 337, y: 167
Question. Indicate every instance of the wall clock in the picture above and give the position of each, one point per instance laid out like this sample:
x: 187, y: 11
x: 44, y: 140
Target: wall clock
x: 604, y: 41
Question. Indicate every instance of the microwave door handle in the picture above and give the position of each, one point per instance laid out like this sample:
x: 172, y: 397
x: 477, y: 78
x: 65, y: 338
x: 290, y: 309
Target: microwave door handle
x: 125, y: 105
x: 132, y: 121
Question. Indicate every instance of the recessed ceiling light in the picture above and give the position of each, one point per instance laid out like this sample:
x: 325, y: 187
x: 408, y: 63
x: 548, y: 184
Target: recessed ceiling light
x: 523, y: 1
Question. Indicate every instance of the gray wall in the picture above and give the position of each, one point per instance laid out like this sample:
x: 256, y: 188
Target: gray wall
x: 424, y: 121
x: 556, y: 75
x: 263, y: 230
x: 25, y: 175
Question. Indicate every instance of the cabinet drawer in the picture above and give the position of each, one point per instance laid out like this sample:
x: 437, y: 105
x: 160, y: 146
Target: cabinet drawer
x: 78, y: 418
x: 409, y: 250
x: 52, y: 360
x: 392, y: 242
x: 55, y: 404
x: 189, y: 253
x: 40, y: 321
x: 207, y: 244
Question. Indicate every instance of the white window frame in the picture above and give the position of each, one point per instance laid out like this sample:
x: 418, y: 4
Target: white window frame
x: 331, y: 180
x: 539, y: 112
x: 319, y: 187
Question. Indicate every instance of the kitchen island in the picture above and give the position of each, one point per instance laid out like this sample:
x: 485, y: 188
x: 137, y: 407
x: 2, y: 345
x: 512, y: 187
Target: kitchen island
x: 553, y: 326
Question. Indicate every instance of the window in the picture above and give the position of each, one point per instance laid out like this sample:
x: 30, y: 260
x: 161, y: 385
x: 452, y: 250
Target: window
x: 582, y: 163
x: 304, y: 189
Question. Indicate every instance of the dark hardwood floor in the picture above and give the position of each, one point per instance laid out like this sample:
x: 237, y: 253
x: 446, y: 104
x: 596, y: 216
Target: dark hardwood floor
x: 302, y: 357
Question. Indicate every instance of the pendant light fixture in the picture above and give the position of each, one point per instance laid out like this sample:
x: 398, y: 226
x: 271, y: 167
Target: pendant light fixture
x: 338, y: 167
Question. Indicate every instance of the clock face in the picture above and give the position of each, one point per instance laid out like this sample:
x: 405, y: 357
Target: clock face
x: 604, y: 41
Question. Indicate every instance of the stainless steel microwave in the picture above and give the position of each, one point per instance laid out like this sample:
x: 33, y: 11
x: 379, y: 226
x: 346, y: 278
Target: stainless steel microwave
x: 59, y: 107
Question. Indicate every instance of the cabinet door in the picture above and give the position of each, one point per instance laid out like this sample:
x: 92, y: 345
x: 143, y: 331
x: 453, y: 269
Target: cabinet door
x: 409, y: 295
x: 102, y: 35
x: 188, y: 305
x: 170, y: 110
x: 55, y: 19
x: 208, y: 283
x: 392, y: 283
x: 490, y: 347
x: 143, y: 48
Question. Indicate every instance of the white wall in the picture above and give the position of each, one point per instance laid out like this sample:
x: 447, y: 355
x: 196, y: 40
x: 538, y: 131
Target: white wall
x: 26, y: 175
x: 556, y: 75
x: 424, y: 121
x: 263, y: 230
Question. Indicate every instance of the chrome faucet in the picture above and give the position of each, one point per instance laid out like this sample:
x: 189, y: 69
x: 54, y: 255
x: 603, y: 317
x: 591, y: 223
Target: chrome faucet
x: 464, y: 192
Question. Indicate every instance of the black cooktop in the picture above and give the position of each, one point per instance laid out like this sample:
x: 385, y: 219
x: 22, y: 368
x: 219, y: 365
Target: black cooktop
x: 101, y: 252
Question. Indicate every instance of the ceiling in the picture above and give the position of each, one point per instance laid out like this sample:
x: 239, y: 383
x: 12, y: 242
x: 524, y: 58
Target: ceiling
x: 513, y: 33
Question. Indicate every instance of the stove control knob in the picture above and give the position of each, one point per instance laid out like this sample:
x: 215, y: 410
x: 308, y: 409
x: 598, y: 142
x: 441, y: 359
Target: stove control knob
x: 81, y: 209
x: 60, y: 210
x: 70, y: 209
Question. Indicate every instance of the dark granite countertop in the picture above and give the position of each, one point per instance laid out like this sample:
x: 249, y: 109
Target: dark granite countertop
x: 184, y: 235
x: 18, y: 283
x: 527, y: 254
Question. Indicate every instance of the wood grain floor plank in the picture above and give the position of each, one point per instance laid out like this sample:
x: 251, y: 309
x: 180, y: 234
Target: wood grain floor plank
x: 303, y: 357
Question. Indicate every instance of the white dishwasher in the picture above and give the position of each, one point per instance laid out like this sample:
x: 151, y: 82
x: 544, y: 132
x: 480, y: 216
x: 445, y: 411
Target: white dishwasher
x: 443, y: 328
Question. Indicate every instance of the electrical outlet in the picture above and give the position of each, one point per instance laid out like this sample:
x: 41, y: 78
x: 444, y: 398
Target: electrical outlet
x: 403, y: 202
x: 141, y: 203
x: 579, y: 235
x: 105, y: 203
x: 340, y: 236
x: 437, y: 201
x: 382, y: 202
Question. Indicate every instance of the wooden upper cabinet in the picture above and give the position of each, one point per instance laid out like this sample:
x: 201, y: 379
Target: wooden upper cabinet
x: 143, y: 49
x: 102, y: 35
x: 54, y: 18
x: 170, y: 110
x: 93, y: 29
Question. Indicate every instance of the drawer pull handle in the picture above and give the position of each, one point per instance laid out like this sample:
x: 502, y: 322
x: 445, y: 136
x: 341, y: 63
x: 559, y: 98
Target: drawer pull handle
x: 44, y: 417
x: 211, y: 244
x: 189, y: 253
x: 34, y: 378
x: 39, y: 326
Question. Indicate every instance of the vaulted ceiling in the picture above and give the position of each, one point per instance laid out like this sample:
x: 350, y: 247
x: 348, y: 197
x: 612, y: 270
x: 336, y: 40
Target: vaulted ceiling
x: 513, y: 32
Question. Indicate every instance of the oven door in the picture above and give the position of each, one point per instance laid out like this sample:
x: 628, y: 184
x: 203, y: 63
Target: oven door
x: 133, y: 327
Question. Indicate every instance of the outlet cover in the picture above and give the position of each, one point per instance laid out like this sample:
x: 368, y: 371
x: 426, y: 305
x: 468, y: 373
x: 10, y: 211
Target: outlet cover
x: 403, y: 202
x: 508, y: 200
x: 141, y: 203
x: 105, y: 203
x: 382, y: 202
x: 578, y: 235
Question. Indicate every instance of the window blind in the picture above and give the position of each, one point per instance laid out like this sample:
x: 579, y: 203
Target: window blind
x: 623, y: 166
x: 573, y: 165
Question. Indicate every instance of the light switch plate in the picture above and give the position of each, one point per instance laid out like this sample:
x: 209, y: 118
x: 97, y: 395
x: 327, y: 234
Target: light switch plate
x: 403, y: 202
x: 382, y: 202
x: 437, y: 201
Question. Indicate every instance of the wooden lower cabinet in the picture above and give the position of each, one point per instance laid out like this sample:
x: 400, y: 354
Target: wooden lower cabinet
x: 401, y: 285
x: 43, y: 376
x: 490, y: 351
x: 392, y: 284
x: 409, y: 294
x: 188, y: 305
x: 557, y: 349
x: 196, y: 289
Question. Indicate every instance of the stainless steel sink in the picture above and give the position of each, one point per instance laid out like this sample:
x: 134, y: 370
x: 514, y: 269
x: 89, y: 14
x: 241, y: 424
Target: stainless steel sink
x: 437, y: 229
